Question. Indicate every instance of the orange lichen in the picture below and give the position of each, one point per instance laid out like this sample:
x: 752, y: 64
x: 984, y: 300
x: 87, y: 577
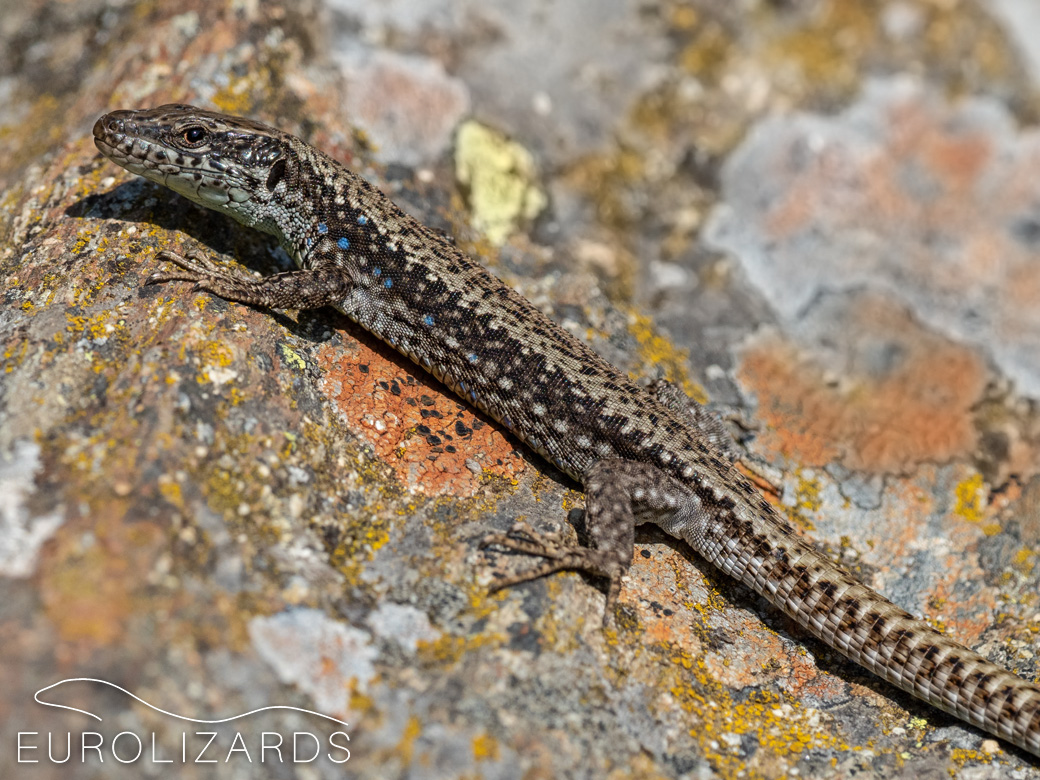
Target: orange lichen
x: 434, y: 443
x: 915, y: 409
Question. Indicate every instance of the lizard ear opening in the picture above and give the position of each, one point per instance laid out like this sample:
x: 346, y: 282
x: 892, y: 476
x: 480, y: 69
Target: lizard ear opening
x: 276, y: 175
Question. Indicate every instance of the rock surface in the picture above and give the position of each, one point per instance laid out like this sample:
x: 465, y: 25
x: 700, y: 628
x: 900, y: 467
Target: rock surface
x: 820, y: 216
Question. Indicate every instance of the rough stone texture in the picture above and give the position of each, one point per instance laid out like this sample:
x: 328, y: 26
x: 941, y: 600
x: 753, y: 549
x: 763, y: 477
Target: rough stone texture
x: 221, y: 509
x: 408, y: 105
x: 932, y: 205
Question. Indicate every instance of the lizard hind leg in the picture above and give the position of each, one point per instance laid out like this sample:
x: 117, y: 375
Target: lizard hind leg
x: 711, y: 426
x: 620, y: 494
x: 556, y: 557
x: 707, y: 423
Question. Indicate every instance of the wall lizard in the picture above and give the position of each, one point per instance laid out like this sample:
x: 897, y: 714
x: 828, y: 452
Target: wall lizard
x: 642, y: 454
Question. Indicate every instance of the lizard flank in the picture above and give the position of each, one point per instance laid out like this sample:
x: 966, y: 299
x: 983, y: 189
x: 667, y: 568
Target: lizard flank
x: 642, y: 455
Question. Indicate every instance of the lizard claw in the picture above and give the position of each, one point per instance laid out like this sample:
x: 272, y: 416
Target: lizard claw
x: 193, y: 262
x: 522, y: 538
x: 557, y: 556
x: 159, y: 277
x: 207, y: 275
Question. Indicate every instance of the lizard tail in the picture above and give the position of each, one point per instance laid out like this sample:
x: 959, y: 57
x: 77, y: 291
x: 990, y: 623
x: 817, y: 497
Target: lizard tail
x: 865, y: 627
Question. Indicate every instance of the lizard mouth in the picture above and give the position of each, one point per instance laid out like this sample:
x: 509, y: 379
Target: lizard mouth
x: 117, y: 137
x: 121, y: 139
x: 112, y: 142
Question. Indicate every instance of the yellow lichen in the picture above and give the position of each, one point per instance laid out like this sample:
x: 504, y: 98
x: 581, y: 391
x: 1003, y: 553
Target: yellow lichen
x: 656, y: 350
x: 807, y: 502
x: 14, y: 354
x: 500, y: 178
x: 236, y: 97
x: 485, y: 748
x: 448, y: 649
x: 780, y: 725
x: 171, y: 491
x: 1024, y: 560
x: 971, y: 497
x: 706, y: 56
x: 827, y: 51
x: 963, y: 756
x: 292, y: 357
x: 406, y: 747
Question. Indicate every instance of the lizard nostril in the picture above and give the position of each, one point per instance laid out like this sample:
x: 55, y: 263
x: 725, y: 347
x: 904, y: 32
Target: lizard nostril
x: 99, y: 128
x: 108, y: 125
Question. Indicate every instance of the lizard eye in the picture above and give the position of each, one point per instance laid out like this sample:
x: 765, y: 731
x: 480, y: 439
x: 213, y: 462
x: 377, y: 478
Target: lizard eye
x: 194, y: 135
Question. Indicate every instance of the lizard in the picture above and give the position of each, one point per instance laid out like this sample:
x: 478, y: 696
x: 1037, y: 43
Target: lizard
x: 641, y: 454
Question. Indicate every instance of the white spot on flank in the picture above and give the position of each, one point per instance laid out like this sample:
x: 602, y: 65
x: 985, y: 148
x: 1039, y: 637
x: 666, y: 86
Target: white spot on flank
x: 539, y: 409
x: 505, y: 383
x: 560, y: 425
x: 584, y: 442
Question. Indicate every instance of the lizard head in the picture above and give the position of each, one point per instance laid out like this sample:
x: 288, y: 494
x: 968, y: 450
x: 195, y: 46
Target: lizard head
x: 230, y: 164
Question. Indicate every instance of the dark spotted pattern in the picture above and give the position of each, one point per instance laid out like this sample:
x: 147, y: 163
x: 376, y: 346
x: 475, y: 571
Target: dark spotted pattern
x: 641, y: 455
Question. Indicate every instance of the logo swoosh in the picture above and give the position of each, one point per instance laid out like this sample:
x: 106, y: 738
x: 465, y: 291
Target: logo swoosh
x: 36, y: 696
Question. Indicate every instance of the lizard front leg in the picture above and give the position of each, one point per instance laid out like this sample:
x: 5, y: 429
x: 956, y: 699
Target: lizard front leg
x: 619, y: 495
x: 313, y: 288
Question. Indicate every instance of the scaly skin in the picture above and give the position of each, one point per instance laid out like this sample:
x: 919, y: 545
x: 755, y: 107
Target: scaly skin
x: 642, y: 455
